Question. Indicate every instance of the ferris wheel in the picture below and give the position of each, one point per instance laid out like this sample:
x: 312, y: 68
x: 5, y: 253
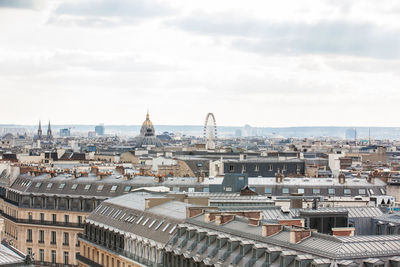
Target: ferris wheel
x: 210, y: 131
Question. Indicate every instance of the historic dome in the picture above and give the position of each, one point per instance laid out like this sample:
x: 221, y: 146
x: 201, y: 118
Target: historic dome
x: 147, y: 127
x: 147, y: 135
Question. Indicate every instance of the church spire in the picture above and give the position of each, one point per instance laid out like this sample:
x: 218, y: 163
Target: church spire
x: 147, y: 115
x: 49, y: 133
x: 40, y: 132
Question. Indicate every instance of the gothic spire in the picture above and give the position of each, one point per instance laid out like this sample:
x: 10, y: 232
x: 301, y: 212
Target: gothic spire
x: 39, y: 132
x: 49, y: 133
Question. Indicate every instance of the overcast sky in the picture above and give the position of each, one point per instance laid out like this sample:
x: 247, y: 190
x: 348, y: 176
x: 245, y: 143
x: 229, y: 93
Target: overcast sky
x: 263, y: 63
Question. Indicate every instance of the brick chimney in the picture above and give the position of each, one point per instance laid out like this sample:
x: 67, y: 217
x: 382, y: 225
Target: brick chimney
x: 297, y: 235
x: 101, y: 175
x: 371, y: 178
x: 120, y: 169
x: 271, y: 229
x: 278, y: 178
x: 343, y: 231
x: 292, y: 222
x: 94, y: 170
x: 223, y: 218
x: 200, y: 178
x: 158, y: 179
x: 194, y: 211
x: 253, y: 222
x: 342, y: 178
x: 209, y: 217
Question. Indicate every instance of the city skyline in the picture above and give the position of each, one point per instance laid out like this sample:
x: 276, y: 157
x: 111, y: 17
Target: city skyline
x: 315, y: 63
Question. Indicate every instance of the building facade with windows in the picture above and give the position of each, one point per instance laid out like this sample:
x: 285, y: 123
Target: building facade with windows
x: 130, y: 230
x: 265, y: 167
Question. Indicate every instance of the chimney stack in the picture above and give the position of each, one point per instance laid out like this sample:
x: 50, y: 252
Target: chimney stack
x: 371, y: 178
x: 94, y: 170
x: 223, y: 218
x: 253, y: 222
x: 342, y: 178
x: 120, y: 169
x: 297, y: 235
x: 200, y: 178
x: 343, y: 231
x: 271, y: 229
x: 158, y: 179
x: 279, y: 178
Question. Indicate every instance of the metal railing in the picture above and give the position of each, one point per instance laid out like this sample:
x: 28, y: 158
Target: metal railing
x: 46, y: 263
x: 87, y: 261
x: 40, y: 222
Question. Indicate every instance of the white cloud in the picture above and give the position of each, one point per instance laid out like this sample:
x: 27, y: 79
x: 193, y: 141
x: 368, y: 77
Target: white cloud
x: 266, y: 64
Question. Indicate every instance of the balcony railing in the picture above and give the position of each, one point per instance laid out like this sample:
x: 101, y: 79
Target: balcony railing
x: 40, y: 222
x: 46, y: 263
x: 87, y: 261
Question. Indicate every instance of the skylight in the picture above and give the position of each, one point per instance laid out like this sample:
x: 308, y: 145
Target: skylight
x: 158, y: 226
x: 144, y: 223
x: 173, y: 228
x: 87, y: 187
x: 152, y: 223
x: 74, y: 186
x: 61, y: 186
x: 140, y: 219
x: 113, y: 188
x: 100, y: 187
x: 166, y: 227
x: 49, y: 185
x: 38, y: 185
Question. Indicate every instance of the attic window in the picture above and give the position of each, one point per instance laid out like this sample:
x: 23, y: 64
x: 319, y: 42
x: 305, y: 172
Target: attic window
x: 127, y: 188
x: 87, y: 187
x: 61, y: 186
x: 74, y: 186
x: 316, y: 191
x: 371, y: 191
x: 100, y: 187
x: 38, y: 185
x: 113, y: 188
x: 49, y: 185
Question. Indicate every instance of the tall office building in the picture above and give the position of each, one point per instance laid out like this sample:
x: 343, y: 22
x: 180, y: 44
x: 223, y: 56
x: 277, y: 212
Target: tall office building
x: 99, y: 129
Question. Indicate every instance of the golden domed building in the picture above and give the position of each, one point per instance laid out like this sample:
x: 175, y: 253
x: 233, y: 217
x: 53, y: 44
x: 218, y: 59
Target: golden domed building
x: 147, y: 135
